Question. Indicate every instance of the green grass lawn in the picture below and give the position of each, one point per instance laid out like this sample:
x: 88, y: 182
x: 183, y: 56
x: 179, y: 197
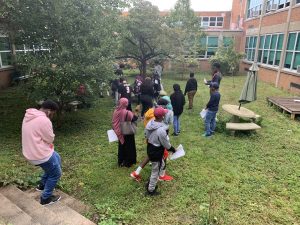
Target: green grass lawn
x: 242, y: 179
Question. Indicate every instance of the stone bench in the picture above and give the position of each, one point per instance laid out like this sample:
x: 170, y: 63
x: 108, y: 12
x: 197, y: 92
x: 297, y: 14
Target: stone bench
x: 74, y: 104
x: 242, y: 126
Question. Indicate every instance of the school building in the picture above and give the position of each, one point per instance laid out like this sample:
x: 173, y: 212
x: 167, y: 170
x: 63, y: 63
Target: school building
x: 267, y: 31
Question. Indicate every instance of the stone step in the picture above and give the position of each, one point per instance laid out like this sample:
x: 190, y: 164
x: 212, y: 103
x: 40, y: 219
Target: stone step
x: 67, y: 208
x: 12, y: 214
x: 66, y: 199
x: 33, y: 208
x: 69, y: 215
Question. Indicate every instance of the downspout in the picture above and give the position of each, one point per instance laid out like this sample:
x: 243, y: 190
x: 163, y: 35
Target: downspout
x: 285, y: 40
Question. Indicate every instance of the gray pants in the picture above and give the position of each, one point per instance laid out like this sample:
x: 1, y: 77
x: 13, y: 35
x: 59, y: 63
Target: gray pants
x: 157, y: 170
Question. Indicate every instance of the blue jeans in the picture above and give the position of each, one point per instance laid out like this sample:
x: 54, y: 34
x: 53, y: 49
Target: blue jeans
x: 52, y: 173
x: 176, y: 124
x: 210, y: 122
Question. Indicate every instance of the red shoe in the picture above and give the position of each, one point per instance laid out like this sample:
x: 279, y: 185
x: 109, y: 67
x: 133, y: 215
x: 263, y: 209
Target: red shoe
x: 135, y: 176
x: 165, y: 178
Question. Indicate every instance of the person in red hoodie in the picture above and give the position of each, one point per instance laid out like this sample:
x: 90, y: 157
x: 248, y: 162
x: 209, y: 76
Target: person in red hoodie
x: 38, y: 148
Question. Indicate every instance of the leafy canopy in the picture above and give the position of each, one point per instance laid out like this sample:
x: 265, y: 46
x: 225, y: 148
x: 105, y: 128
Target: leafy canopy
x: 143, y: 36
x: 78, y: 35
x: 228, y: 57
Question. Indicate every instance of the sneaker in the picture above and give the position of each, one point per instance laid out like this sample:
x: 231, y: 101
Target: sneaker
x: 52, y: 199
x: 136, y: 176
x: 40, y: 187
x: 175, y: 134
x: 165, y: 178
x: 206, y: 135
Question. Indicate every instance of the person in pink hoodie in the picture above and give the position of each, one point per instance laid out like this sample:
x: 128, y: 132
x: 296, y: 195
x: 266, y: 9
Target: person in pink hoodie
x: 38, y: 148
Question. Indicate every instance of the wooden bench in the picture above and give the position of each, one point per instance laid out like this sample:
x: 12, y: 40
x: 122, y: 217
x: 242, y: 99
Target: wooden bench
x: 242, y: 126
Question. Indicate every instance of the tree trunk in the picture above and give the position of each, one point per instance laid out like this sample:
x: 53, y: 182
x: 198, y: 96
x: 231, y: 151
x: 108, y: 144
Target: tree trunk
x: 143, y: 68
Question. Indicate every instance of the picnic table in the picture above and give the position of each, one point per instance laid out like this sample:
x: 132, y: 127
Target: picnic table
x: 237, y: 113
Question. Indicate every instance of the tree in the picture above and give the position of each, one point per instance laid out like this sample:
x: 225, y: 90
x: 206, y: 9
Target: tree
x: 69, y: 42
x: 185, y: 33
x: 228, y: 58
x: 143, y: 36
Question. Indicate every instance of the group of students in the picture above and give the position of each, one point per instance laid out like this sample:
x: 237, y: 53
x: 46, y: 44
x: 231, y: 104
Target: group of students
x: 157, y: 120
x: 38, y: 135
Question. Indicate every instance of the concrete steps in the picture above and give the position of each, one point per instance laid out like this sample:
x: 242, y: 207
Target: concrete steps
x: 23, y: 208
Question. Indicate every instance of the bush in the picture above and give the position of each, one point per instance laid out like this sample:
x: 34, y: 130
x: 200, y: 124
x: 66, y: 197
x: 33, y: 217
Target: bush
x: 228, y: 58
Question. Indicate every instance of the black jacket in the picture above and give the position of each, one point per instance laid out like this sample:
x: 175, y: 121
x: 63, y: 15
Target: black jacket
x: 147, y: 89
x: 191, y: 85
x: 177, y: 101
x: 213, y: 104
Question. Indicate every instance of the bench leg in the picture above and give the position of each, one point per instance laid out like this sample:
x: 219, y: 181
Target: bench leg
x: 235, y: 119
x: 293, y: 116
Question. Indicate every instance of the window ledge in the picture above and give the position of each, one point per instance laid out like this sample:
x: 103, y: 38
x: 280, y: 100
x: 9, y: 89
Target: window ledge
x: 253, y: 18
x: 296, y: 6
x: 291, y: 72
x: 275, y: 12
x: 6, y: 68
x: 266, y: 66
x: 247, y: 61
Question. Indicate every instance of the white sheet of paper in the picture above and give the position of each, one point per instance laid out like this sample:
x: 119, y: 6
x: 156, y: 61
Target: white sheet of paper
x: 179, y: 153
x: 203, y: 113
x: 296, y: 100
x: 112, y: 136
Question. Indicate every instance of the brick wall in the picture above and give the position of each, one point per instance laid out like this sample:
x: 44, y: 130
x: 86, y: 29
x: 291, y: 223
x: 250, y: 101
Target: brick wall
x: 275, y: 18
x: 295, y: 14
x: 286, y: 79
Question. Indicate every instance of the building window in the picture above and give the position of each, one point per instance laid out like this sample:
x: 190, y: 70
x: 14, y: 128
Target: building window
x: 270, y: 48
x: 5, y: 52
x: 250, y: 46
x: 292, y: 57
x: 273, y: 5
x: 227, y: 41
x: 210, y: 45
x: 32, y: 49
x: 254, y: 8
x: 212, y: 21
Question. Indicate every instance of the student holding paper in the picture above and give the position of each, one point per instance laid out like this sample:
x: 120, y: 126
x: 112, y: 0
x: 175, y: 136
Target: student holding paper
x: 158, y: 140
x: 168, y: 118
x: 216, y: 75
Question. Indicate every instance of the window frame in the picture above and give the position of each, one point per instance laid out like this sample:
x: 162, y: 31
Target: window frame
x: 5, y: 51
x: 252, y: 48
x: 261, y: 50
x: 280, y: 6
x: 294, y: 51
x: 210, y: 20
x: 206, y: 56
x: 254, y: 8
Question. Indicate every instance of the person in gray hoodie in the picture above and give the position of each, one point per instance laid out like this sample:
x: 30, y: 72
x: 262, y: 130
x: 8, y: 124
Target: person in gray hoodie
x: 158, y: 140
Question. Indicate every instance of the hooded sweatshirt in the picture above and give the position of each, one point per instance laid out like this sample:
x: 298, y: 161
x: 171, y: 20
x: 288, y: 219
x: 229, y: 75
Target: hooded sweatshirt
x: 37, y: 137
x: 157, y: 135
